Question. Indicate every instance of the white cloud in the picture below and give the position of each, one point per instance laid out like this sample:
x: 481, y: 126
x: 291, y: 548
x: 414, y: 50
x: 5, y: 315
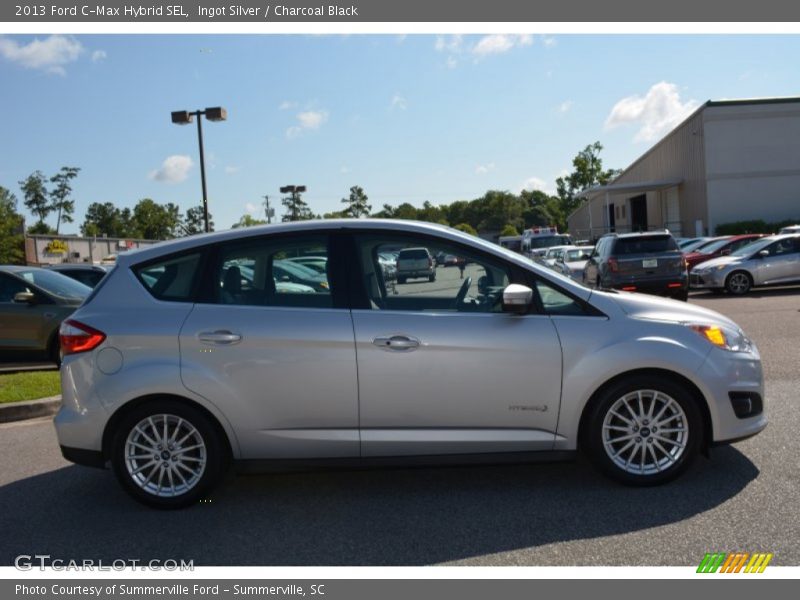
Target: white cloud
x: 534, y: 183
x: 398, y: 102
x: 549, y: 41
x: 174, y: 169
x: 449, y: 43
x: 451, y: 62
x: 286, y: 105
x: 344, y: 170
x: 565, y: 106
x: 307, y: 121
x: 656, y: 113
x: 483, y: 169
x: 99, y: 55
x: 251, y: 208
x: 499, y: 43
x: 51, y: 54
x: 232, y: 169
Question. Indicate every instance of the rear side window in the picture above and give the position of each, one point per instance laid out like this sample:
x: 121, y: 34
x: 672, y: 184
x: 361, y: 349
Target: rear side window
x: 171, y: 278
x: 646, y: 245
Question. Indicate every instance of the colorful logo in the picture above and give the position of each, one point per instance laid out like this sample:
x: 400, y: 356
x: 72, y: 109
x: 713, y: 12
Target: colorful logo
x: 735, y: 562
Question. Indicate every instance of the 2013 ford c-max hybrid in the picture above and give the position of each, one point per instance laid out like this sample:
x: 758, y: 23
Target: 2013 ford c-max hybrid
x: 189, y: 356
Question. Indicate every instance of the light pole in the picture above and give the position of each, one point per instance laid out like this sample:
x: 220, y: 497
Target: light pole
x: 184, y: 117
x: 293, y: 190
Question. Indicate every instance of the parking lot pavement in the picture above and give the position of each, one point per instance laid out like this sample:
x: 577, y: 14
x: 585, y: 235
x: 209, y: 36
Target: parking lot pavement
x: 743, y: 499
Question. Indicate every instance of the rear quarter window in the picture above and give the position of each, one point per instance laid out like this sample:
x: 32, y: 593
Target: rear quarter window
x: 171, y: 278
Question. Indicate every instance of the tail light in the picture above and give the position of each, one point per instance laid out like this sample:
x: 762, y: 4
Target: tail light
x: 613, y: 265
x: 430, y: 262
x: 77, y: 337
x: 684, y: 263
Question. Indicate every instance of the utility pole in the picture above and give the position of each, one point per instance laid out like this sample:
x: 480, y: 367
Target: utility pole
x: 267, y: 210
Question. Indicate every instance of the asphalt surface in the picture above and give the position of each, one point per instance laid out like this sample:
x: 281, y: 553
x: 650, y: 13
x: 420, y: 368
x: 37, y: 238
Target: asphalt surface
x: 745, y: 498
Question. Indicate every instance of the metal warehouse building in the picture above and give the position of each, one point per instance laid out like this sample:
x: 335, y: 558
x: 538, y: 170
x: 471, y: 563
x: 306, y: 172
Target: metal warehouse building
x: 731, y: 160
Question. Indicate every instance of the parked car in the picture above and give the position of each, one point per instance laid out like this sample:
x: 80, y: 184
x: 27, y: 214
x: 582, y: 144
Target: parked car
x: 109, y: 259
x: 414, y: 263
x: 552, y: 255
x: 33, y: 302
x: 790, y: 229
x: 684, y: 243
x: 648, y: 262
x: 572, y: 261
x: 389, y: 265
x: 315, y: 263
x: 168, y: 383
x: 773, y: 260
x: 86, y: 273
x: 290, y: 272
x: 721, y: 247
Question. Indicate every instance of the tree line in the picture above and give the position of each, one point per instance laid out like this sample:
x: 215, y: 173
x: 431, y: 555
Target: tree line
x: 497, y: 211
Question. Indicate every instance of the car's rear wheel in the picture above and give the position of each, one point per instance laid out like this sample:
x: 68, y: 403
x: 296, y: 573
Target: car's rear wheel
x: 432, y: 277
x: 739, y: 283
x: 167, y: 454
x: 645, y: 430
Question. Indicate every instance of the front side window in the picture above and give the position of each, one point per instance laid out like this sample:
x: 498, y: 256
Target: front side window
x: 430, y: 275
x: 286, y: 271
x: 10, y: 287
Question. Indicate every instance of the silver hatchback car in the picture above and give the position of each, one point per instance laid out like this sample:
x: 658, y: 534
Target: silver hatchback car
x: 177, y: 365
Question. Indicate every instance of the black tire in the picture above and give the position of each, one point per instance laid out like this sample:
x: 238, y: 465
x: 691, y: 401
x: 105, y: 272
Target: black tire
x: 432, y: 277
x: 738, y: 283
x: 401, y: 279
x: 683, y: 296
x: 215, y: 453
x: 54, y: 349
x: 667, y: 456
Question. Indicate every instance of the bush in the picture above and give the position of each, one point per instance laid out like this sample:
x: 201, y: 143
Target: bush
x: 756, y: 226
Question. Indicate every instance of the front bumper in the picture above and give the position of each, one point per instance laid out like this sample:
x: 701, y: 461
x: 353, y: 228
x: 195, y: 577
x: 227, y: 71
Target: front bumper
x: 707, y: 280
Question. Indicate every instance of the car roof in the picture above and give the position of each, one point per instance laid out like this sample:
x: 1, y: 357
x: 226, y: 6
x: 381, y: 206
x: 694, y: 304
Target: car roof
x: 74, y: 266
x: 187, y: 243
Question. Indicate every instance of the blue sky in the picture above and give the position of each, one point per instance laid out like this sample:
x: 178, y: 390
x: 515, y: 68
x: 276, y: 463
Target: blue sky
x: 408, y: 118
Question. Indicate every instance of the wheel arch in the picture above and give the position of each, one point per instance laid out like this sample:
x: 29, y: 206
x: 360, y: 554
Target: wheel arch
x: 128, y: 407
x: 583, y: 424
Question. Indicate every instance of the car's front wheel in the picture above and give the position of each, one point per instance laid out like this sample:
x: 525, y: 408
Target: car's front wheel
x: 738, y: 283
x: 167, y: 454
x: 644, y: 430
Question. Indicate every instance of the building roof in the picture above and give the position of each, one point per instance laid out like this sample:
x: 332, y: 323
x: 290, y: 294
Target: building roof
x: 643, y: 186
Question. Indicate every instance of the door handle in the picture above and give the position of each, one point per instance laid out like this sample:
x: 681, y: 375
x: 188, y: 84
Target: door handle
x: 399, y: 343
x: 221, y: 337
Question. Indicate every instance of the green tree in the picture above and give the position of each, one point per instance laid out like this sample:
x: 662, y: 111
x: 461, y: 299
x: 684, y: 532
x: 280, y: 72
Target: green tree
x: 35, y: 192
x: 61, y: 203
x: 296, y: 208
x: 387, y: 212
x: 156, y: 221
x: 194, y: 223
x: 248, y: 221
x: 357, y: 204
x: 466, y: 228
x: 543, y: 209
x: 405, y: 211
x: 102, y: 219
x: 509, y: 229
x: 587, y: 171
x: 431, y: 213
x: 12, y: 241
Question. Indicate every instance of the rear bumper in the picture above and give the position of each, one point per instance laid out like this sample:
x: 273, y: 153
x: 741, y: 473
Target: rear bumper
x: 670, y: 286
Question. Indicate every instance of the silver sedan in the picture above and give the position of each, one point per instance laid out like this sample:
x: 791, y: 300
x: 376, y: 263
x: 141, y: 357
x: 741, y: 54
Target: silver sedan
x: 178, y: 366
x: 773, y: 260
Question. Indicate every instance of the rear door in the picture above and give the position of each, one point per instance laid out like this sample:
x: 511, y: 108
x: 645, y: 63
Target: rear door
x: 279, y: 361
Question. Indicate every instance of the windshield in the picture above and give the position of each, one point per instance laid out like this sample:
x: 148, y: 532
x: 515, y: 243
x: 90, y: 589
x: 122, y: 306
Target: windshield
x: 752, y: 247
x: 548, y: 240
x: 713, y: 247
x: 577, y: 254
x: 55, y: 283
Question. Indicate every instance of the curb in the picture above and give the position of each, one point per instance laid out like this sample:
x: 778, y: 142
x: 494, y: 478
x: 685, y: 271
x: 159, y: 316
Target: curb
x: 29, y: 409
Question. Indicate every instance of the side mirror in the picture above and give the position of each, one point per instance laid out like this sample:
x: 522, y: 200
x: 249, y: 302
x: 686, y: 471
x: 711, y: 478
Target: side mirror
x: 763, y: 254
x: 25, y: 298
x: 517, y: 298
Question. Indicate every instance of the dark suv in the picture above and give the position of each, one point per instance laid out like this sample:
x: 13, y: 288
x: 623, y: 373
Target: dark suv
x: 649, y: 262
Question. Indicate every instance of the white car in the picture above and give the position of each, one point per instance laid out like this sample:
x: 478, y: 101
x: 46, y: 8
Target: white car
x: 572, y: 261
x: 177, y: 366
x: 553, y: 254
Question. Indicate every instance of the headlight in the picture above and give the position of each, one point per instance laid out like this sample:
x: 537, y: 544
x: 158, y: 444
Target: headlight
x: 723, y: 337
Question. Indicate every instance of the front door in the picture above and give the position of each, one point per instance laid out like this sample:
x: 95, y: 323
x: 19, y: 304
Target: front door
x: 441, y: 369
x: 639, y: 213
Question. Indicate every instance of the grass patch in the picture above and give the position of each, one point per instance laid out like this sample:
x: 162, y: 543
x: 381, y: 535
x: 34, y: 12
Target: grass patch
x: 30, y: 385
